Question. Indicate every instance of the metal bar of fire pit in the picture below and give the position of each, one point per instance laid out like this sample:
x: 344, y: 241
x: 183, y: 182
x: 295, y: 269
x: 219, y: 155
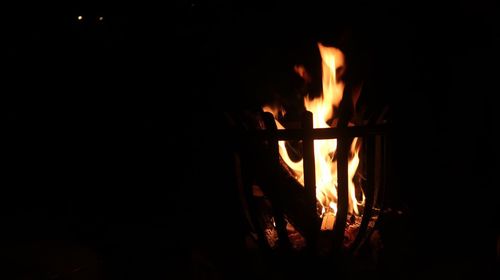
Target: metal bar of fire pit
x: 342, y: 191
x: 327, y: 133
x: 309, y: 168
x: 369, y: 189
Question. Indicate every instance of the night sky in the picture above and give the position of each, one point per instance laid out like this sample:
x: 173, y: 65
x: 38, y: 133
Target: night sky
x: 101, y: 114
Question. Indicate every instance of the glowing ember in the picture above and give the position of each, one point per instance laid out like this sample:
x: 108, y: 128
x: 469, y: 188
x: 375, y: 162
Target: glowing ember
x: 323, y: 109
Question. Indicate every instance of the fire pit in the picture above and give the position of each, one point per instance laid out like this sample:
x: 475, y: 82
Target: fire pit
x: 315, y: 184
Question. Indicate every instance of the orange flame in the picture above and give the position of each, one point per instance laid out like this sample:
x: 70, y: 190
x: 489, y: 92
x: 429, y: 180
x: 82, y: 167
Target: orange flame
x: 323, y: 110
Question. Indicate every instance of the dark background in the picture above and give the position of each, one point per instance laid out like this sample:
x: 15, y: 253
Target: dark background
x: 103, y: 169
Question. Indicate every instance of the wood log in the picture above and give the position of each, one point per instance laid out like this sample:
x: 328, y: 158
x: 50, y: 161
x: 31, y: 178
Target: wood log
x: 293, y: 199
x: 262, y: 166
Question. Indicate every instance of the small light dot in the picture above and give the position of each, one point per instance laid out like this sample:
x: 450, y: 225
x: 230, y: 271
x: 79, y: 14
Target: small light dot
x: 79, y: 17
x: 100, y: 18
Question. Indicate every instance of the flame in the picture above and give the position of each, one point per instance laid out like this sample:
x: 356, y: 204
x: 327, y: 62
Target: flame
x: 323, y: 109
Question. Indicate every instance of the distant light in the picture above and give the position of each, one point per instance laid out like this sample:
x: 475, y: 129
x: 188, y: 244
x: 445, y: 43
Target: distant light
x: 79, y: 17
x: 100, y: 18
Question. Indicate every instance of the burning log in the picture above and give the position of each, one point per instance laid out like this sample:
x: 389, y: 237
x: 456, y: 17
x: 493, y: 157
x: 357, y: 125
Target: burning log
x: 279, y: 216
x: 262, y: 166
x: 328, y: 221
x: 292, y: 197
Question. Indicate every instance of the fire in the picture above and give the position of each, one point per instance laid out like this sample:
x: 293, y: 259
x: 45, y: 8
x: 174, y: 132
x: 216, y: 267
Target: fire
x: 323, y: 109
